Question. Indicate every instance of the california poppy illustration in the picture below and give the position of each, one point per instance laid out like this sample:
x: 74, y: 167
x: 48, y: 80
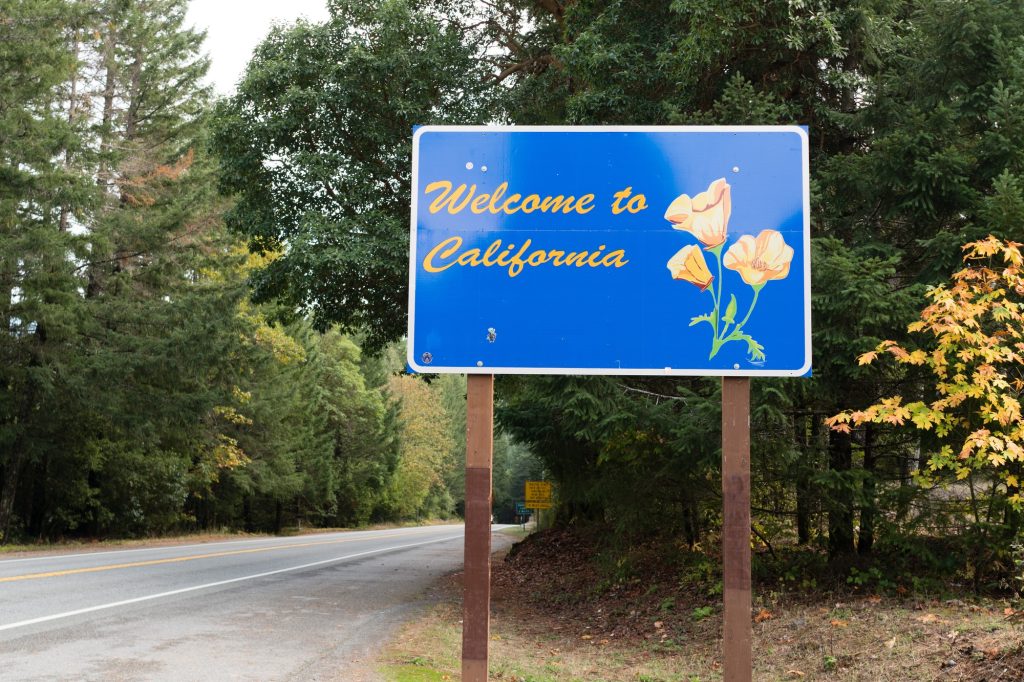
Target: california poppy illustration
x: 689, y: 265
x: 705, y: 216
x: 757, y: 260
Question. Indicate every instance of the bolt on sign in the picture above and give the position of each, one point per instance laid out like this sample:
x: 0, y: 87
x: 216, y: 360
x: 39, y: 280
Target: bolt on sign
x: 615, y: 250
x: 610, y: 250
x: 538, y: 495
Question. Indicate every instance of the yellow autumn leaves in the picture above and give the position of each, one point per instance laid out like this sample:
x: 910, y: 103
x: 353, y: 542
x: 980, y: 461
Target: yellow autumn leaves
x: 973, y: 349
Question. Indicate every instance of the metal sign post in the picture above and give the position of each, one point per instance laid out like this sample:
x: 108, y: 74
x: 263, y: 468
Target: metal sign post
x: 476, y: 601
x: 736, y: 646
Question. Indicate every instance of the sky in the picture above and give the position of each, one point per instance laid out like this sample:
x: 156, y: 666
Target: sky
x: 234, y: 27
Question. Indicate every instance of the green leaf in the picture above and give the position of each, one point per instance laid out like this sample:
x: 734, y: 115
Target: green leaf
x: 755, y: 349
x: 730, y: 310
x: 702, y: 318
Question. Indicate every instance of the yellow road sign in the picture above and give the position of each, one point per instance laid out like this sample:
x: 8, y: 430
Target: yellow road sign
x: 538, y: 495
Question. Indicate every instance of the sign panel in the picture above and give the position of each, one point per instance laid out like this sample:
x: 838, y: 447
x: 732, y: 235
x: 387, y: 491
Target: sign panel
x: 538, y: 495
x: 610, y: 250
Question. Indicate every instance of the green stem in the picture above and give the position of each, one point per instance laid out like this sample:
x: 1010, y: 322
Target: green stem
x: 718, y: 256
x: 725, y: 331
x: 715, y: 343
x: 757, y: 291
x: 718, y: 342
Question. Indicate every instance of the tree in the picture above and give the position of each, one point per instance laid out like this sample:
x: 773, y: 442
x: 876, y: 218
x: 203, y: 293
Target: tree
x: 37, y: 280
x: 418, y: 489
x: 315, y: 146
x: 119, y: 338
x: 970, y: 395
x: 970, y: 350
x: 365, y: 453
x: 914, y: 145
x: 705, y: 65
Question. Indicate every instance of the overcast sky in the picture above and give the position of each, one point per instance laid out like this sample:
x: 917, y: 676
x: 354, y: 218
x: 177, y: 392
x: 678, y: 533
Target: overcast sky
x: 235, y: 27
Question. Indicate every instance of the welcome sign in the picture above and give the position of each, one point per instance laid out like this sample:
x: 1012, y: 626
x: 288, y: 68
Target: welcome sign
x: 610, y: 250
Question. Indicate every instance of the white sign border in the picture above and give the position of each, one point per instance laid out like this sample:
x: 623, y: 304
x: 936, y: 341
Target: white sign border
x: 611, y: 371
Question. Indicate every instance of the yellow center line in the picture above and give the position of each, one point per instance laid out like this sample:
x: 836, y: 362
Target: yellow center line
x: 193, y: 557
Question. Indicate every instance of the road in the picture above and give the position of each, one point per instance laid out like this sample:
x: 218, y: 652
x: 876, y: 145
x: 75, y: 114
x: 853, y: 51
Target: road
x: 312, y: 607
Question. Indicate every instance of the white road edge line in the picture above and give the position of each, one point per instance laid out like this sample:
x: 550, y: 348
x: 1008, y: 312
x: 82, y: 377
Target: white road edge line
x: 218, y: 543
x: 136, y: 600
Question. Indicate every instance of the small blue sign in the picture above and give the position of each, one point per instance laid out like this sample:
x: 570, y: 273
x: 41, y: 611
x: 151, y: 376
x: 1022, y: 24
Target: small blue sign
x: 610, y: 250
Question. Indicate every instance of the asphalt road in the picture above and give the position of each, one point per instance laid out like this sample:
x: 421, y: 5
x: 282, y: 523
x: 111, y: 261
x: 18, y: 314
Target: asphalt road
x: 312, y: 607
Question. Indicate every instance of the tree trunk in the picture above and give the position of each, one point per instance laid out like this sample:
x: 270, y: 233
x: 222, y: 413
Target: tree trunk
x: 249, y: 526
x: 109, y: 85
x: 804, y: 443
x: 132, y: 112
x: 840, y: 515
x: 691, y: 524
x: 35, y: 514
x: 868, y: 509
x: 11, y: 473
x: 72, y: 110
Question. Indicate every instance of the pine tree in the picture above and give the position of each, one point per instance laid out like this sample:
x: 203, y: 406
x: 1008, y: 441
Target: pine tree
x: 38, y: 303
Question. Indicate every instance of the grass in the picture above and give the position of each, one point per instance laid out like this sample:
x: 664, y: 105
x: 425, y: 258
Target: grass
x: 549, y: 624
x: 413, y: 673
x: 521, y: 655
x: 872, y: 641
x: 516, y: 531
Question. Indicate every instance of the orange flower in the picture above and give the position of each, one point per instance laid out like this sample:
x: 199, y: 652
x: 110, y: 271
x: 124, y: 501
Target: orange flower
x: 688, y: 264
x: 705, y: 216
x: 759, y: 260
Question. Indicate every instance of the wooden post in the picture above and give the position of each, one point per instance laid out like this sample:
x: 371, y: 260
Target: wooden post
x: 476, y: 595
x: 736, y: 645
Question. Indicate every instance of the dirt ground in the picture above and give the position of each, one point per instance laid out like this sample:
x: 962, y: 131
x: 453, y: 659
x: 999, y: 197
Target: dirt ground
x: 555, y: 618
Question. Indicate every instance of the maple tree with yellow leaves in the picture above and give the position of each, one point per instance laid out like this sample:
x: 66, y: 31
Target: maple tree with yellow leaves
x: 974, y: 349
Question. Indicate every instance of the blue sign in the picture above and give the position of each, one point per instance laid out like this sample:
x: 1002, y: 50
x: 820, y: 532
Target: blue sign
x: 610, y: 250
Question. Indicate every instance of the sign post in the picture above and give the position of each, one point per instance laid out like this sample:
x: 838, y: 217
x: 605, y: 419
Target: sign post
x: 610, y: 250
x: 476, y: 601
x: 736, y: 647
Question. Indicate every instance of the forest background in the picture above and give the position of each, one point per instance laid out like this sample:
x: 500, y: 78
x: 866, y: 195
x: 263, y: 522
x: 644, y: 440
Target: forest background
x: 205, y: 299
